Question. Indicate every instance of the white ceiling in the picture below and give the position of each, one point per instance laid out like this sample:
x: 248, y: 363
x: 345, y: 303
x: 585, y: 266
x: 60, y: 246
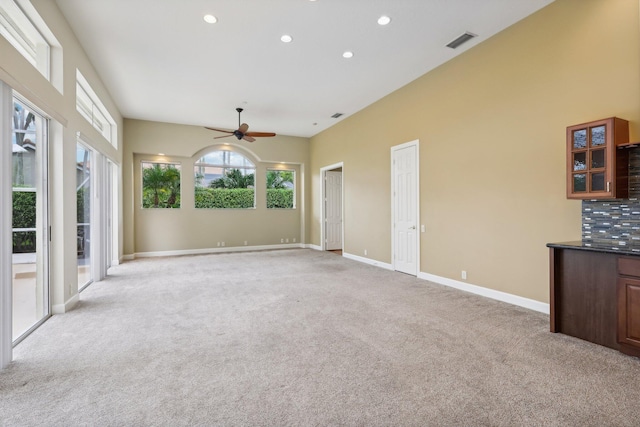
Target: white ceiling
x: 162, y: 62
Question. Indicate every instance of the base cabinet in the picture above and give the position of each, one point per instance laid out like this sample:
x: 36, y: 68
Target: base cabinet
x: 595, y: 296
x: 629, y: 304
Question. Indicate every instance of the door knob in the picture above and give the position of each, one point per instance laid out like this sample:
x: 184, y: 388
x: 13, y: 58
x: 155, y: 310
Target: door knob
x: 412, y: 228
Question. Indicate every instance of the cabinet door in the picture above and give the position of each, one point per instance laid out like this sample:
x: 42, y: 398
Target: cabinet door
x: 595, y: 169
x: 629, y: 311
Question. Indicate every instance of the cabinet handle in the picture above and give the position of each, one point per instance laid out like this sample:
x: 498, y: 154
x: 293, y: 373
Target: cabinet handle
x: 608, y: 186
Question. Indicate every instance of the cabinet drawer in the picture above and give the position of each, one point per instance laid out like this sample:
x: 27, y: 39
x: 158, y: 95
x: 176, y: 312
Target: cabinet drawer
x: 629, y: 266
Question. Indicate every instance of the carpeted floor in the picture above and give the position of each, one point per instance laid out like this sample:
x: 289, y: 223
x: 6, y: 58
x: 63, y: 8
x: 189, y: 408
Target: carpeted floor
x: 305, y: 338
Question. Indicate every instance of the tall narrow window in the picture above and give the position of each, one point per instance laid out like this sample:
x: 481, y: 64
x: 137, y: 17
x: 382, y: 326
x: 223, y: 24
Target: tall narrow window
x: 281, y: 189
x: 224, y: 180
x: 83, y: 201
x: 91, y: 108
x: 160, y: 185
x: 30, y: 224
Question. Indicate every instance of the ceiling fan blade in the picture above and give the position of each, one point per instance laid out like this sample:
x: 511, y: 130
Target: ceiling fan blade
x: 259, y: 134
x: 248, y: 138
x: 223, y: 136
x: 219, y: 130
x: 243, y: 128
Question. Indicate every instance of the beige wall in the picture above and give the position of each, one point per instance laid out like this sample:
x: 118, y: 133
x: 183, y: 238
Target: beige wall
x: 491, y: 125
x: 187, y: 228
x: 58, y: 101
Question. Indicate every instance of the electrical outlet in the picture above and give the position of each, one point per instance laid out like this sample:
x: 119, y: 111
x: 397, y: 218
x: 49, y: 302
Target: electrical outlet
x: 222, y: 244
x: 245, y: 243
x: 464, y: 275
x: 365, y: 252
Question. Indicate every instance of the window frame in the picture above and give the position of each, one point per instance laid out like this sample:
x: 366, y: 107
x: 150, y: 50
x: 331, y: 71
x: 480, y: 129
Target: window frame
x: 177, y: 165
x: 225, y: 165
x: 294, y: 189
x: 17, y: 26
x: 89, y: 105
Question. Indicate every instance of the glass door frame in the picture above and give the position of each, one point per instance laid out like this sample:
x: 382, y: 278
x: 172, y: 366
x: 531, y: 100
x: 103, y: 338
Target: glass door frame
x: 6, y: 249
x: 81, y: 143
x: 43, y: 220
x: 7, y: 99
x: 101, y: 215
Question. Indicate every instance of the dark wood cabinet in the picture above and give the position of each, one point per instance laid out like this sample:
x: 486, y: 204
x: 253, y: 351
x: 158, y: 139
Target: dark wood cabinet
x: 595, y: 296
x: 583, y: 295
x: 629, y: 303
x: 596, y: 169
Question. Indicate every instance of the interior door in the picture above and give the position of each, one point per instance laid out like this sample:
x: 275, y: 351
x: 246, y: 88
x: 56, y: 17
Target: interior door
x: 405, y: 209
x: 333, y: 210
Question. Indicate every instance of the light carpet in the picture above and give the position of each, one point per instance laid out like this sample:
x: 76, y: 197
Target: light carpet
x: 305, y: 338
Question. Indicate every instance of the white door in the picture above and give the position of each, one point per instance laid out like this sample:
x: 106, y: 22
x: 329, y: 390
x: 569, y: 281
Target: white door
x: 405, y: 209
x: 333, y: 210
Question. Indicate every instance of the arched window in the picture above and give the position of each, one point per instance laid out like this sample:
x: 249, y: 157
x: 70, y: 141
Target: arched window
x: 224, y: 180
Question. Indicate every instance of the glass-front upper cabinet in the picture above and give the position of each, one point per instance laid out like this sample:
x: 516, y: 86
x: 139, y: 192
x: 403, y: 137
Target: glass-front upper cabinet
x: 595, y: 168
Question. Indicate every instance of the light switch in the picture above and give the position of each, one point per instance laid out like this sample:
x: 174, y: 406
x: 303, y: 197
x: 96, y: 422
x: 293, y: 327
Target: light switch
x: 422, y: 228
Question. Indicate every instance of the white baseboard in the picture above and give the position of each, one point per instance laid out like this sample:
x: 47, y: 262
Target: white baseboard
x: 489, y: 293
x: 368, y: 261
x: 467, y: 287
x: 68, y: 305
x: 216, y: 250
x: 314, y: 247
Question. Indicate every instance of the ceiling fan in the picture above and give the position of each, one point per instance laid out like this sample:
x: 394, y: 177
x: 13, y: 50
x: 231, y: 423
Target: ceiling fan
x: 241, y: 132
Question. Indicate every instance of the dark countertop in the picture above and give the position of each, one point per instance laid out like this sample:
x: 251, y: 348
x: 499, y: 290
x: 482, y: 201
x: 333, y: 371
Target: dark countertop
x: 597, y: 247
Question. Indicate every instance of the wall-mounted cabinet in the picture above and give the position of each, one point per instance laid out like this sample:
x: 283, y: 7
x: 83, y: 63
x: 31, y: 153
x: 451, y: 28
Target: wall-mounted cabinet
x: 596, y: 169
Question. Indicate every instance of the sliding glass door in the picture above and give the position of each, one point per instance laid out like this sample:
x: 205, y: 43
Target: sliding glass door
x: 84, y: 191
x: 30, y: 225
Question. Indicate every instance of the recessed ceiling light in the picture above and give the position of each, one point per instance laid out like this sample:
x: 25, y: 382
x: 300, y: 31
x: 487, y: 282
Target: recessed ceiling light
x: 384, y: 20
x: 210, y: 19
x: 286, y: 38
x: 160, y: 154
x: 347, y: 54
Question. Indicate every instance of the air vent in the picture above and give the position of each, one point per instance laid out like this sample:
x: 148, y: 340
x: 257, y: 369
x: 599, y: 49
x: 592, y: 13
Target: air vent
x: 462, y: 39
x: 336, y: 115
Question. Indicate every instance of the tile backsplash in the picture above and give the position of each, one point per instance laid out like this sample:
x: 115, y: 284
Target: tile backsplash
x: 615, y: 223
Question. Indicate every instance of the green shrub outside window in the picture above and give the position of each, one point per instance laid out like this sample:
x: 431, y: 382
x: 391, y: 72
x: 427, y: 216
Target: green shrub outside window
x: 24, y: 216
x: 280, y: 189
x: 225, y: 198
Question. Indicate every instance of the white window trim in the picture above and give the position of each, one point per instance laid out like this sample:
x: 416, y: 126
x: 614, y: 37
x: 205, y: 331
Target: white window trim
x: 199, y: 164
x: 177, y: 165
x: 21, y: 25
x: 295, y: 187
x: 93, y: 110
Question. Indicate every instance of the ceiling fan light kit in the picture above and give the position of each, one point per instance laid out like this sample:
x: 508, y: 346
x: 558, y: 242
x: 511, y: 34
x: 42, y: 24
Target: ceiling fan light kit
x: 242, y: 131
